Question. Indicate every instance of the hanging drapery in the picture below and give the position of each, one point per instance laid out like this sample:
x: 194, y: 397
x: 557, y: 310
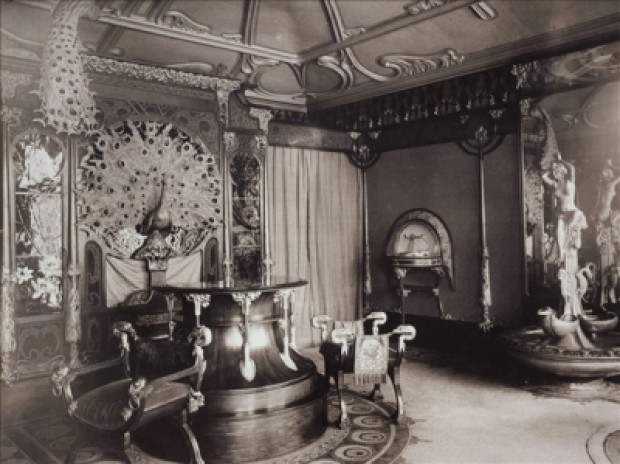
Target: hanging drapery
x: 315, y: 222
x: 67, y: 103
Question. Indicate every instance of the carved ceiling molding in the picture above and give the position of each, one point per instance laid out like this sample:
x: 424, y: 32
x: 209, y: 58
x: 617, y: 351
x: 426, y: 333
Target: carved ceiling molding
x: 490, y: 90
x: 300, y: 136
x: 554, y: 74
x: 10, y: 80
x: 178, y: 20
x: 420, y: 6
x: 157, y: 74
x: 345, y: 63
x: 409, y: 65
x: 155, y: 87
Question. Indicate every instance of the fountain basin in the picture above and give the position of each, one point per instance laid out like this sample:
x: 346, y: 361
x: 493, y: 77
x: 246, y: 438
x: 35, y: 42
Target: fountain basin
x: 554, y: 326
x: 598, y: 323
x: 530, y: 346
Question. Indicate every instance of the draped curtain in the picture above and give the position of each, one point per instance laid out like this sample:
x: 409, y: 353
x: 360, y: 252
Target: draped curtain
x: 315, y: 220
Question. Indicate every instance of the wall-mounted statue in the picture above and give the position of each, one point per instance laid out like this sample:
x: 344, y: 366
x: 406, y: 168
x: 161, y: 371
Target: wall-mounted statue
x: 607, y: 223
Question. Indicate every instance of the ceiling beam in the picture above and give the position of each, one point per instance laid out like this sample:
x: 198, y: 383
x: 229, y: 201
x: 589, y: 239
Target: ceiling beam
x: 382, y: 28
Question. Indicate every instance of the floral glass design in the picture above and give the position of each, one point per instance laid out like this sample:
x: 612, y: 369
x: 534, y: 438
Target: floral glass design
x: 38, y: 162
x: 245, y: 173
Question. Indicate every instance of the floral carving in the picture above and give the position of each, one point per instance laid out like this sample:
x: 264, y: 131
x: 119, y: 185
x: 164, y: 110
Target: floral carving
x: 420, y: 6
x: 178, y: 20
x: 10, y: 81
x: 157, y: 74
x: 409, y: 65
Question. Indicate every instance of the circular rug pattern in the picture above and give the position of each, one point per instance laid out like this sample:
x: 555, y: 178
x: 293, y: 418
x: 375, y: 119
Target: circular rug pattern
x: 371, y: 436
x: 604, y: 445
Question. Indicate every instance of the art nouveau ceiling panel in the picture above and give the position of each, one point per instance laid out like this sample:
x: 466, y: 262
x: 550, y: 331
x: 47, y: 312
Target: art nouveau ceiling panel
x: 307, y: 55
x: 292, y: 27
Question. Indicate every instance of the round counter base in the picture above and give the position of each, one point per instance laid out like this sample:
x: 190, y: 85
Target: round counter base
x: 530, y: 347
x: 228, y: 438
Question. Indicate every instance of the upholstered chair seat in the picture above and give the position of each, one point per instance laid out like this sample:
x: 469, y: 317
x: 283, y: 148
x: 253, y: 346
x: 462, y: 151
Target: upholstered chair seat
x: 109, y: 413
x: 352, y: 356
x: 103, y: 408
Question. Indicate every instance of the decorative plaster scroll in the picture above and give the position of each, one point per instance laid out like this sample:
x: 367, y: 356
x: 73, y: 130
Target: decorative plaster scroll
x: 341, y: 66
x: 409, y: 65
x: 10, y: 81
x: 420, y: 6
x: 254, y: 67
x: 263, y: 116
x: 177, y: 20
x: 167, y: 76
x: 585, y: 66
x: 484, y: 11
x: 352, y: 32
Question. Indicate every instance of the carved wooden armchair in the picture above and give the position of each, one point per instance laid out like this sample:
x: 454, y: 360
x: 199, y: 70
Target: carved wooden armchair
x: 353, y: 357
x: 109, y: 413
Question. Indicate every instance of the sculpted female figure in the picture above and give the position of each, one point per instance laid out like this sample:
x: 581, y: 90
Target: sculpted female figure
x: 606, y: 194
x: 571, y: 220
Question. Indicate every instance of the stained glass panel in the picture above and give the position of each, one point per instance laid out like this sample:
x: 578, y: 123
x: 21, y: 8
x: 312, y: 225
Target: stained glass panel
x: 38, y: 162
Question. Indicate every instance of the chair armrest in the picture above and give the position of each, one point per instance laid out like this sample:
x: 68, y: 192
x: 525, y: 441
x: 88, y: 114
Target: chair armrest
x: 320, y: 322
x: 378, y: 318
x: 404, y: 333
x: 127, y: 336
x: 342, y: 337
x: 62, y: 376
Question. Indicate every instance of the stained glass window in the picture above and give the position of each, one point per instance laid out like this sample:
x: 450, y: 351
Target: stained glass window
x: 38, y: 162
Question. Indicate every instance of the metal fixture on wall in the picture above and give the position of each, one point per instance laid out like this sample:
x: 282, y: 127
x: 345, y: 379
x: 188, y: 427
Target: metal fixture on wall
x: 363, y: 155
x: 480, y: 138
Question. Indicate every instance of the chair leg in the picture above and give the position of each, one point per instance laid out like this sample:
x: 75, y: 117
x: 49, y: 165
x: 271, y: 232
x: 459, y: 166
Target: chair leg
x: 343, y: 420
x: 116, y: 446
x: 398, y: 395
x: 180, y: 421
x: 376, y: 393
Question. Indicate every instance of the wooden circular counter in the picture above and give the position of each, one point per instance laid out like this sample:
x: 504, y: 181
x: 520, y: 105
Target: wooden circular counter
x: 262, y: 399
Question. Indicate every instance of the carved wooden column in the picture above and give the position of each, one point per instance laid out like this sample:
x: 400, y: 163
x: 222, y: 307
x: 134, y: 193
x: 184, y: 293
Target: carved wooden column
x: 481, y: 139
x: 364, y: 155
x: 8, y: 116
x: 223, y: 91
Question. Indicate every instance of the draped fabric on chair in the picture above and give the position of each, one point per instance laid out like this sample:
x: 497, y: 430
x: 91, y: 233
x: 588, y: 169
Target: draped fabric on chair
x: 316, y: 232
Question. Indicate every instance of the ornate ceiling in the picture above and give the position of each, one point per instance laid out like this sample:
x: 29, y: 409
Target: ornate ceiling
x: 308, y: 55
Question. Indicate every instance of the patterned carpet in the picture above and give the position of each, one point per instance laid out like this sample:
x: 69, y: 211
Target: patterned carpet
x: 371, y: 437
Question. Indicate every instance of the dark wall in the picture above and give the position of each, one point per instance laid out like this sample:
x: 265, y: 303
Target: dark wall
x: 444, y: 180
